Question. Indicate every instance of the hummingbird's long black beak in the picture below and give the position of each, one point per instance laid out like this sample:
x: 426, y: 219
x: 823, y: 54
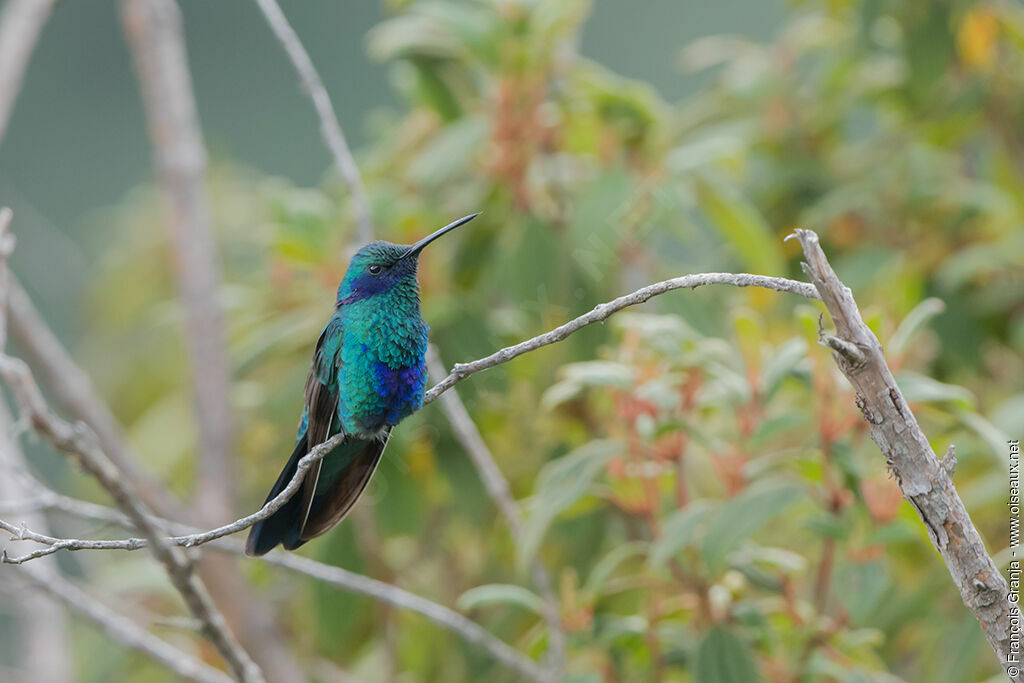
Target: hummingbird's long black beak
x: 415, y: 249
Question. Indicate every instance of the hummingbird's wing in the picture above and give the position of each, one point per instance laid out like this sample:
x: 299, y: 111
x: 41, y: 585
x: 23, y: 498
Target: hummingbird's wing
x: 321, y: 402
x: 285, y: 525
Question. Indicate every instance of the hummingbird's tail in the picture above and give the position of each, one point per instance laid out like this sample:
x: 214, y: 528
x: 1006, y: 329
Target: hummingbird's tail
x: 331, y: 487
x: 284, y: 525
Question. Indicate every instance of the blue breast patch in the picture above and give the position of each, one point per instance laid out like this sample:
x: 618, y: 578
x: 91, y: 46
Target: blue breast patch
x: 401, y: 390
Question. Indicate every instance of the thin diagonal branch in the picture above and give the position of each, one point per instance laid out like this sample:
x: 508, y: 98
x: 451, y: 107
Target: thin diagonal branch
x: 21, y: 22
x: 925, y: 481
x: 497, y: 487
x: 330, y: 129
x: 197, y: 538
x: 120, y: 628
x: 603, y: 311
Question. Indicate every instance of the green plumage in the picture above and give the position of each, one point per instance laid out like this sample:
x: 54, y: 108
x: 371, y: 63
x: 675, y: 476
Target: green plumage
x: 368, y: 374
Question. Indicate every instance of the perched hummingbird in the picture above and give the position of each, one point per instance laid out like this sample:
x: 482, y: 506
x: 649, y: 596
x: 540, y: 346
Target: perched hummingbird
x: 368, y: 375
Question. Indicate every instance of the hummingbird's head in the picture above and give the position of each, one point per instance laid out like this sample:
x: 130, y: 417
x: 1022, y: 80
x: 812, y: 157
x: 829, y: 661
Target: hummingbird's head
x: 380, y: 266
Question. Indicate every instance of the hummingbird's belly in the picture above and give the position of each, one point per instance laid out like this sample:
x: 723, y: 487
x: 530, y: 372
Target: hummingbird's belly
x: 401, y: 390
x: 383, y: 397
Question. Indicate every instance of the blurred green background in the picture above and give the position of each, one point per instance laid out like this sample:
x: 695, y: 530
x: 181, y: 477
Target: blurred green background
x: 694, y: 474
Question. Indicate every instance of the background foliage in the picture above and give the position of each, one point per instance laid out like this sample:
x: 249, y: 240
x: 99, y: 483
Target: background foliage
x: 695, y: 474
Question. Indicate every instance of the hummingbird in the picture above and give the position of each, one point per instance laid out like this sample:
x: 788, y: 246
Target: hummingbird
x: 368, y: 374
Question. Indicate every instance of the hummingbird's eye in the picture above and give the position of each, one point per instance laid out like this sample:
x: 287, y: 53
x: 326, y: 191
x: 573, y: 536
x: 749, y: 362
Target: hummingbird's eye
x: 374, y: 269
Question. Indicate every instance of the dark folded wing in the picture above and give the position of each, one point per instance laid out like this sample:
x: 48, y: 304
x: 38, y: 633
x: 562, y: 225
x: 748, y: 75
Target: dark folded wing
x: 321, y: 401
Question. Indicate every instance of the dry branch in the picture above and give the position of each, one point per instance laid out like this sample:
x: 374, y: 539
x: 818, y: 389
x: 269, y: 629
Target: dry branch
x: 602, y: 311
x: 330, y: 129
x: 925, y: 481
x: 439, y: 614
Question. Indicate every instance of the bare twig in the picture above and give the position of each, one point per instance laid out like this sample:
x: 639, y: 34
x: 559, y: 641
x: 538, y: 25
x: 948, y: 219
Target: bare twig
x: 602, y: 311
x: 497, y: 487
x: 21, y: 22
x: 197, y: 538
x: 79, y: 442
x: 158, y: 47
x: 923, y: 479
x: 120, y: 628
x: 330, y: 129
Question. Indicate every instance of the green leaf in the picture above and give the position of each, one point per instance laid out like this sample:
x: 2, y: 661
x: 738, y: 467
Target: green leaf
x: 578, y: 376
x: 705, y: 151
x: 864, y: 587
x: 787, y: 357
x: 1009, y: 414
x: 449, y: 153
x: 680, y: 530
x: 724, y: 658
x: 500, y: 593
x: 742, y: 516
x: 609, y: 563
x: 742, y: 226
x: 922, y: 389
x: 600, y: 373
x: 779, y: 559
x: 774, y: 426
x: 585, y: 677
x: 560, y: 484
x: 596, y: 228
x: 914, y: 323
x: 994, y: 437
